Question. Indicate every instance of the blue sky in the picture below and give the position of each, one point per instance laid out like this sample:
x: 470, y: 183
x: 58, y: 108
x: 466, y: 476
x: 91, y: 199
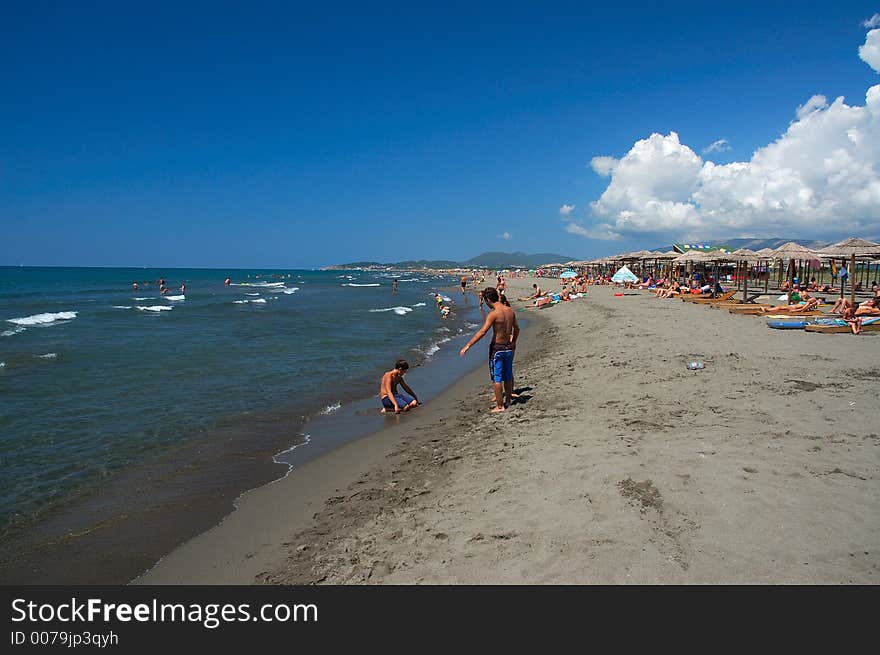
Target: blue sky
x: 284, y: 135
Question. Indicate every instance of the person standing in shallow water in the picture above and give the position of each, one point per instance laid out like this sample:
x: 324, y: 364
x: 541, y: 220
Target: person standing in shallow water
x: 394, y: 285
x: 505, y: 330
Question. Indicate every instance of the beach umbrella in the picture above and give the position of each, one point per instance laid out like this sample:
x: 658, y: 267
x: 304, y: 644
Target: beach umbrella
x: 567, y: 274
x: 623, y: 274
x: 851, y: 248
x: 792, y: 251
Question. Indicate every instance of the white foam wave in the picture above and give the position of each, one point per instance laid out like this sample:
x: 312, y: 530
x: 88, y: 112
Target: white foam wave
x: 121, y: 306
x: 2, y: 364
x: 155, y: 308
x: 472, y: 326
x: 419, y: 304
x: 175, y: 297
x: 47, y: 356
x: 290, y: 290
x: 397, y: 310
x: 9, y: 333
x: 329, y: 409
x: 139, y: 299
x: 43, y: 319
x: 252, y: 294
x: 255, y: 300
x: 257, y: 284
x: 307, y: 439
x: 352, y: 284
x: 410, y: 279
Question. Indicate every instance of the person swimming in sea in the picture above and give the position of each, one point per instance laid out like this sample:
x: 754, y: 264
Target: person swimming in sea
x: 227, y: 282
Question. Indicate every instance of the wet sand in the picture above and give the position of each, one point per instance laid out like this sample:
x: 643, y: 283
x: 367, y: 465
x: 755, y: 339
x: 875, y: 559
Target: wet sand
x: 618, y: 466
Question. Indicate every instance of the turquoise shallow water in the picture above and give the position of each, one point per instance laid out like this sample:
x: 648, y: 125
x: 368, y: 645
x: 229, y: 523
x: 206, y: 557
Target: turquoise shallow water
x: 97, y: 379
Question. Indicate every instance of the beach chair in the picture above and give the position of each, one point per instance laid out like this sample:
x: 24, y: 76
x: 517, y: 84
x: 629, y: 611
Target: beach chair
x: 708, y: 300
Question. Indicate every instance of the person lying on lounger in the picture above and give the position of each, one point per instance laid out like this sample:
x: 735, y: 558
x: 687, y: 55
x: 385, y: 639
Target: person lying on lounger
x: 802, y: 302
x: 870, y: 307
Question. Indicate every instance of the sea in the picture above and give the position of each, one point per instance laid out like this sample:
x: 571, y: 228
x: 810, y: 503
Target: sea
x: 130, y: 420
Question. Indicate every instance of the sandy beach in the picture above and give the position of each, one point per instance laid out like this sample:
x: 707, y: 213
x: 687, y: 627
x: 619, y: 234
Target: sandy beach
x: 619, y: 465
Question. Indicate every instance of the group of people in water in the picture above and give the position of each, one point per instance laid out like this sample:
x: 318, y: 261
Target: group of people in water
x: 163, y: 289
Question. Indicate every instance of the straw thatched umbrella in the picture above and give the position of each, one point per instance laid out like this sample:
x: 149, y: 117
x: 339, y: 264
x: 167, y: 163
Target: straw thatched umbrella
x: 792, y: 251
x: 744, y: 256
x: 851, y: 248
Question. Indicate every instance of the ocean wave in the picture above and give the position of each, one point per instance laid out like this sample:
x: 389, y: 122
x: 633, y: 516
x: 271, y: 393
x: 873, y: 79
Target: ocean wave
x: 397, y: 310
x: 352, y: 284
x: 9, y: 333
x: 329, y: 409
x: 2, y: 364
x: 47, y: 356
x: 121, y: 306
x: 252, y: 294
x: 290, y: 290
x: 410, y: 279
x: 472, y: 326
x: 257, y: 284
x: 43, y: 319
x: 306, y: 439
x: 140, y: 299
x: 155, y: 308
x: 255, y: 300
x: 432, y: 348
x: 175, y: 297
x: 419, y: 304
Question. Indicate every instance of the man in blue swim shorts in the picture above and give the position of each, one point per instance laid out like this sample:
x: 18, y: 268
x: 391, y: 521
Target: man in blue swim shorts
x: 392, y: 399
x: 505, y: 330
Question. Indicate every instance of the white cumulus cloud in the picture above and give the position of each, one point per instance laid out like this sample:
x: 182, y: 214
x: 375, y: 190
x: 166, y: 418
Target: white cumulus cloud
x: 506, y: 236
x: 566, y: 210
x: 822, y: 175
x: 870, y: 52
x: 718, y: 146
x: 873, y: 21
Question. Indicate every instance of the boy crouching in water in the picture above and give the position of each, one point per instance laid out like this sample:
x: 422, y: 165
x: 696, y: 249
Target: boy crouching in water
x: 392, y: 399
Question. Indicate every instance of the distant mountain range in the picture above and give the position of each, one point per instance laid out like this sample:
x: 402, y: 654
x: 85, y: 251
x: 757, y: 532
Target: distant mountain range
x: 491, y: 260
x: 508, y: 260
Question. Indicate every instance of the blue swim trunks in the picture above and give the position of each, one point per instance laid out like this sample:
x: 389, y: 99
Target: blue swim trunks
x: 402, y: 401
x: 500, y: 362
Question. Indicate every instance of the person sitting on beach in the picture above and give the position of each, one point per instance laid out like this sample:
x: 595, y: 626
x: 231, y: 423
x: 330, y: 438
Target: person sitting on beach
x: 537, y: 294
x: 841, y: 305
x: 391, y: 397
x: 855, y: 322
x: 673, y: 290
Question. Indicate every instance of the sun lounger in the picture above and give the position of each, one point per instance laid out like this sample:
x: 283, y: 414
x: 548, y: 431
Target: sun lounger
x: 840, y: 326
x: 747, y: 309
x: 704, y: 299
